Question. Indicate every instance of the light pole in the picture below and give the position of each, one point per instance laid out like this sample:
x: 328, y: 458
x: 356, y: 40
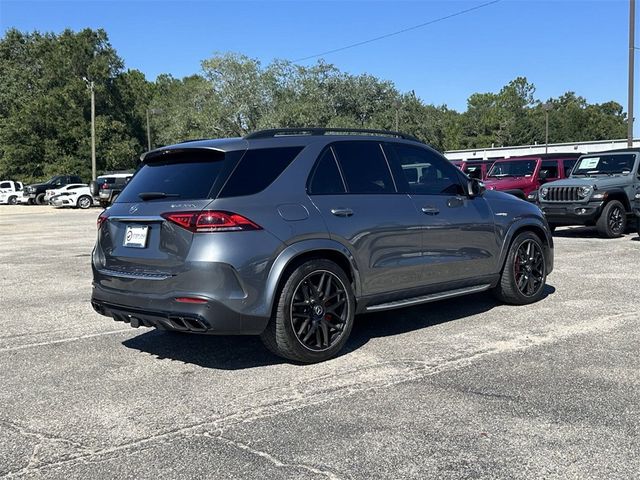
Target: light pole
x: 152, y: 111
x: 90, y: 85
x: 546, y: 107
x: 632, y: 27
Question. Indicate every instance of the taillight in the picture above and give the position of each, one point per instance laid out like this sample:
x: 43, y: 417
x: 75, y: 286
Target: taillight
x: 211, y: 221
x: 104, y: 186
x: 101, y: 219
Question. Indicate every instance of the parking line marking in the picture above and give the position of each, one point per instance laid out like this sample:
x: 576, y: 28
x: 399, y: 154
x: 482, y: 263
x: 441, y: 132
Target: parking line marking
x: 62, y: 340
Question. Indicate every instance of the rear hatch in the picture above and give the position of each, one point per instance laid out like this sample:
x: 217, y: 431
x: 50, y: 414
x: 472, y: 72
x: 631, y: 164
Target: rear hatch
x: 148, y: 232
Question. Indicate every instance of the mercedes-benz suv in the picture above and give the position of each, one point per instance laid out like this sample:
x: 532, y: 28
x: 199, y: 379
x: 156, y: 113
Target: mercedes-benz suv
x: 288, y: 234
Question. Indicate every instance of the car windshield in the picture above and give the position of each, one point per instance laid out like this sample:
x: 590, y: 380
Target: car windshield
x: 605, y: 164
x: 513, y: 168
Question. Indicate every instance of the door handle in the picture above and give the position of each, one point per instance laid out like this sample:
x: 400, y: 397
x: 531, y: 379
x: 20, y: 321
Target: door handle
x: 342, y: 212
x: 455, y: 202
x: 430, y: 210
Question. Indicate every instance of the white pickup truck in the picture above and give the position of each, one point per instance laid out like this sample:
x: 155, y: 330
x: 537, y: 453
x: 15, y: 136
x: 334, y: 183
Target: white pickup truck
x: 10, y: 192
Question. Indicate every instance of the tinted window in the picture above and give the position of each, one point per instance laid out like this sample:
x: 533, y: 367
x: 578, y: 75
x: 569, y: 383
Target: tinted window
x: 423, y: 171
x: 568, y: 165
x: 183, y: 174
x: 258, y: 169
x: 551, y: 166
x: 364, y: 167
x: 474, y: 171
x: 326, y: 178
x: 5, y: 185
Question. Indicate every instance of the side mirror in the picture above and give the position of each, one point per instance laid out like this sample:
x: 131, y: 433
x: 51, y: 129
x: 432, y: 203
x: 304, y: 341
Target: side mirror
x: 475, y: 187
x: 543, y: 175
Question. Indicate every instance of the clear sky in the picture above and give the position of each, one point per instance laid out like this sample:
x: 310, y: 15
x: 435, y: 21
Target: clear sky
x: 558, y: 45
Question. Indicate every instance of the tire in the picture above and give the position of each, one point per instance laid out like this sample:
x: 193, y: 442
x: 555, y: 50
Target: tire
x: 612, y: 222
x: 40, y: 199
x: 552, y: 227
x: 524, y: 273
x: 104, y: 204
x: 305, y: 327
x: 84, y: 202
x: 12, y: 200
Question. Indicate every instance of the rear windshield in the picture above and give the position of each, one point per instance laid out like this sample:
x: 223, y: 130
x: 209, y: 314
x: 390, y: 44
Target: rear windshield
x: 186, y: 175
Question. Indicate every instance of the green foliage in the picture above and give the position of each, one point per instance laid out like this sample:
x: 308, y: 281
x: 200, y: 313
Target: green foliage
x: 45, y: 106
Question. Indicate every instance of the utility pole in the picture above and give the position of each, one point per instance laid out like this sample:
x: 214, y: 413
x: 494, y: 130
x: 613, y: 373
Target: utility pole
x: 546, y: 107
x: 90, y: 85
x: 151, y: 111
x: 632, y: 41
x: 148, y: 133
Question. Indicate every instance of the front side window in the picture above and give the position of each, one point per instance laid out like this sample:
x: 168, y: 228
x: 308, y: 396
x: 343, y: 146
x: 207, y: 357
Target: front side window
x: 364, y: 167
x: 326, y: 178
x: 422, y: 171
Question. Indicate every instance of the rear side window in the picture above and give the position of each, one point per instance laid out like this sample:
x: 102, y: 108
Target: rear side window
x: 364, y: 167
x: 258, y: 169
x: 551, y: 166
x: 182, y: 174
x: 326, y: 178
x: 568, y: 165
x: 5, y: 185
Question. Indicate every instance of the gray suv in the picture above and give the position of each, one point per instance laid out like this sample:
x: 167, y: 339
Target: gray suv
x: 601, y: 191
x: 288, y: 234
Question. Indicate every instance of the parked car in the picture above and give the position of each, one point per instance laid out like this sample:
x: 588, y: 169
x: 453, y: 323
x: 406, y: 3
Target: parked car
x: 107, y: 187
x: 35, y: 193
x: 77, y: 197
x: 48, y: 194
x: 289, y: 233
x: 521, y: 176
x: 10, y: 191
x: 601, y: 191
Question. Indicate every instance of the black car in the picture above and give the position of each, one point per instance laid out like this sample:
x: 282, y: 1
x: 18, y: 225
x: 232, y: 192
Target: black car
x: 36, y: 191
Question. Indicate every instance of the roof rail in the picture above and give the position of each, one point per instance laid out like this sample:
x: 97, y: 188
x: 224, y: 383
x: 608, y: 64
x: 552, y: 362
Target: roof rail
x: 274, y: 132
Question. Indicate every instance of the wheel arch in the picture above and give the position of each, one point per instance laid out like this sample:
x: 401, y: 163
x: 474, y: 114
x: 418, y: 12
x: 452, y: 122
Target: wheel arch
x: 533, y: 225
x: 295, y: 254
x: 620, y: 196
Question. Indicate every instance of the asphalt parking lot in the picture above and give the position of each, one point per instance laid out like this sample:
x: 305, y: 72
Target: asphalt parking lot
x: 465, y: 388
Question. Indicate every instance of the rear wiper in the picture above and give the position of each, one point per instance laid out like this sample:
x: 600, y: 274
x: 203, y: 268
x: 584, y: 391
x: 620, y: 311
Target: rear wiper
x: 156, y: 195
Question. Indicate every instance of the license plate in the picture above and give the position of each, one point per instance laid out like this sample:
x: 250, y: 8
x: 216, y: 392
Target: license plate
x: 136, y: 236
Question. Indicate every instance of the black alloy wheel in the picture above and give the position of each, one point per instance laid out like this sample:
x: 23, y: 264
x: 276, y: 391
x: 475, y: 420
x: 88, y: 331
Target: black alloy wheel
x: 314, y: 312
x: 612, y: 222
x: 616, y: 220
x: 529, y: 268
x: 319, y: 310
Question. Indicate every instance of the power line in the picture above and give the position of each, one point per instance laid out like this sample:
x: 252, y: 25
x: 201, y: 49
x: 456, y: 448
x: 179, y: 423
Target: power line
x: 375, y: 39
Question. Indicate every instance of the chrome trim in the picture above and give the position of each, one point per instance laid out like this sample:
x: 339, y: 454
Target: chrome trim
x: 135, y: 276
x: 126, y: 218
x: 428, y: 298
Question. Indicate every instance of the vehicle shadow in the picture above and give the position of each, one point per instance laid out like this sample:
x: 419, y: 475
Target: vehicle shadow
x: 585, y: 232
x: 242, y: 352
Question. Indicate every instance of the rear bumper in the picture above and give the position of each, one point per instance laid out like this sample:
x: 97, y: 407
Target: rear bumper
x: 571, y: 213
x: 165, y: 312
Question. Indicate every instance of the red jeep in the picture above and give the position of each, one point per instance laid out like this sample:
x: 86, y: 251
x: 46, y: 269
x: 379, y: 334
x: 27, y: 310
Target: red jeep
x: 522, y: 176
x: 474, y: 168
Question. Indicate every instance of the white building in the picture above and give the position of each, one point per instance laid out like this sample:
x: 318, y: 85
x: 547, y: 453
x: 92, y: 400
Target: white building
x: 518, y: 151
